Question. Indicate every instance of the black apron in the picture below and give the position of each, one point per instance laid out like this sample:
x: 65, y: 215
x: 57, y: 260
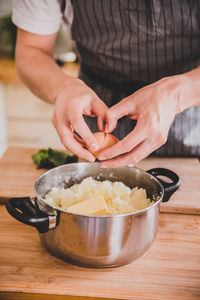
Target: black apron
x: 124, y: 45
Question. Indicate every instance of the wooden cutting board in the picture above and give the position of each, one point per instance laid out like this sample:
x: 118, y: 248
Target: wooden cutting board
x: 169, y: 270
x: 18, y: 174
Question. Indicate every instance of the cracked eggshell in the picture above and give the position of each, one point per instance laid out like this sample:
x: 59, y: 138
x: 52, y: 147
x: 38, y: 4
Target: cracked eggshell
x: 104, y: 140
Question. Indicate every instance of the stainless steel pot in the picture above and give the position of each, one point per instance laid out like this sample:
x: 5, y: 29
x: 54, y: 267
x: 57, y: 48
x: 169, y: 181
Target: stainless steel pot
x: 95, y: 241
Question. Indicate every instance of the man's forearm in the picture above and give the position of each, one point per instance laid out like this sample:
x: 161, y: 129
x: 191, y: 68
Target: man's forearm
x: 38, y: 70
x: 189, y: 90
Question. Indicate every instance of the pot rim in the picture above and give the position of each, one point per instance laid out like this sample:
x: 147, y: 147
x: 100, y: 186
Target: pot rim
x: 156, y: 202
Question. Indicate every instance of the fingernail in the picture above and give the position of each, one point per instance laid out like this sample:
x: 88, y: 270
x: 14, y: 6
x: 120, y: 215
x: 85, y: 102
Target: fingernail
x: 91, y: 158
x: 94, y: 147
x: 107, y: 128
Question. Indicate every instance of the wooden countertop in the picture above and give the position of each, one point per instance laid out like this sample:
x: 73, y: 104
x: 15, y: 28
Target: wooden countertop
x: 170, y: 269
x: 18, y: 161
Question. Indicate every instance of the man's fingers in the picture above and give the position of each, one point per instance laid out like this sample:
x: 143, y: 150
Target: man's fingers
x: 127, y: 144
x: 67, y: 139
x: 115, y: 113
x: 111, y: 122
x: 101, y: 123
x: 80, y: 126
x: 111, y: 117
x: 78, y: 139
x: 99, y: 109
x: 138, y: 153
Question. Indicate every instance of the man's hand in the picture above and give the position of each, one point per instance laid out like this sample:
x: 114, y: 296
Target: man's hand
x: 74, y: 99
x: 154, y: 107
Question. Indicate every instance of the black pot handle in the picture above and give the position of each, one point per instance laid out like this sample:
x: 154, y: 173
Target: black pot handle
x: 26, y: 212
x: 169, y: 188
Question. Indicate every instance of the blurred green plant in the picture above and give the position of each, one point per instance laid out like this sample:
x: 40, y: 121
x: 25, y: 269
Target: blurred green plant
x: 49, y: 158
x: 8, y: 33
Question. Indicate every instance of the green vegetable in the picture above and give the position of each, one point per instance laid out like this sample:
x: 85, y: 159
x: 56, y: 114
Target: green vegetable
x: 49, y: 158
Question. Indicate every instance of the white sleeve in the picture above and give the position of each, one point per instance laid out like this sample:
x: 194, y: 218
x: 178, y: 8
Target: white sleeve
x: 37, y: 16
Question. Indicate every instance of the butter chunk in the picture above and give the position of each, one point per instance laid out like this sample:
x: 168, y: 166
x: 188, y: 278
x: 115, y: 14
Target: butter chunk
x: 90, y: 206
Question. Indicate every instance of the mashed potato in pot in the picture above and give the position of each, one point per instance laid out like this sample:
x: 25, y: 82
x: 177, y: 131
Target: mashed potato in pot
x: 92, y: 197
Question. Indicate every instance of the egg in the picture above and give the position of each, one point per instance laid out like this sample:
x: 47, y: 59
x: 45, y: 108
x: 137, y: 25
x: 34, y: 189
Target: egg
x: 104, y: 140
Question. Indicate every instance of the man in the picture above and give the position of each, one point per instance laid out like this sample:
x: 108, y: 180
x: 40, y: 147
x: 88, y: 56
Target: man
x: 139, y: 74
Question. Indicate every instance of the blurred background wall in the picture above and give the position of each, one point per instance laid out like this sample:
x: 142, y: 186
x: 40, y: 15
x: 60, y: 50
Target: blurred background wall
x: 25, y: 119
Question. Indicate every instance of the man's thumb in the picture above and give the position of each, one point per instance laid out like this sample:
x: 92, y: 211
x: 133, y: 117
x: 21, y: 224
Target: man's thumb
x: 111, y: 121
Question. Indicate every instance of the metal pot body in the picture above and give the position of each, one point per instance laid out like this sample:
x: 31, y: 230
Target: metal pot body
x: 102, y: 242
x: 97, y: 241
